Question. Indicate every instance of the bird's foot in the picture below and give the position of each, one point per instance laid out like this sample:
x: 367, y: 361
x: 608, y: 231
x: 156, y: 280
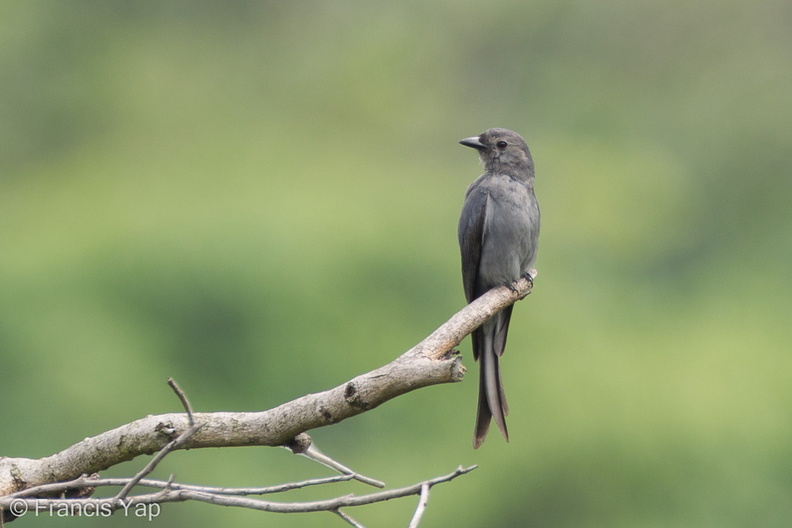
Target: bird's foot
x: 528, y: 275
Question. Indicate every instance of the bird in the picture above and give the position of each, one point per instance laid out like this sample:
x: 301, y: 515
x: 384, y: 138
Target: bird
x: 498, y: 237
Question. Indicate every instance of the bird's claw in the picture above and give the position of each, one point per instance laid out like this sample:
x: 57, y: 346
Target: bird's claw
x: 528, y: 275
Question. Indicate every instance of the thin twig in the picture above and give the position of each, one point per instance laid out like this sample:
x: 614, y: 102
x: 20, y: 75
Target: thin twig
x: 348, y: 519
x: 82, y: 482
x: 170, y: 446
x: 419, y: 511
x: 316, y: 455
x: 183, y: 397
x: 175, y: 495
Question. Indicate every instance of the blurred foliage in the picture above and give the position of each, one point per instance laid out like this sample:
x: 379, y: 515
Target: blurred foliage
x: 260, y: 200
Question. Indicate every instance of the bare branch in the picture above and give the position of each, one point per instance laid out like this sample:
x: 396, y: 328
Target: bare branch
x: 182, y: 495
x: 183, y: 398
x: 430, y: 362
x: 170, y: 446
x: 314, y: 454
x: 83, y: 482
x: 419, y: 511
x: 451, y: 333
x: 348, y: 519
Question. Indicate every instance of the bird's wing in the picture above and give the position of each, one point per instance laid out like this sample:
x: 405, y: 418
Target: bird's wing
x: 471, y: 238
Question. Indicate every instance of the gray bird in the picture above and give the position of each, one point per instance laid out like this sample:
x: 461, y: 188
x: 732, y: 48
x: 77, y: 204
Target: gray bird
x: 498, y: 235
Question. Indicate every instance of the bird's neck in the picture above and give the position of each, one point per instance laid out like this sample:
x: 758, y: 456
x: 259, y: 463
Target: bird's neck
x: 522, y: 172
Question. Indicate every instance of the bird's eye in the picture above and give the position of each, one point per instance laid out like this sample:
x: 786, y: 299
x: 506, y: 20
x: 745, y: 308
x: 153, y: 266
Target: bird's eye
x: 501, y: 144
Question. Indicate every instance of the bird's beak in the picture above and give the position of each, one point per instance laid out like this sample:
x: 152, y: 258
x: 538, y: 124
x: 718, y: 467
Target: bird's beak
x: 473, y: 142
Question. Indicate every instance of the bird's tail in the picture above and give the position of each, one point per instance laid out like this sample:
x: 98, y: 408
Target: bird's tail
x: 492, y: 398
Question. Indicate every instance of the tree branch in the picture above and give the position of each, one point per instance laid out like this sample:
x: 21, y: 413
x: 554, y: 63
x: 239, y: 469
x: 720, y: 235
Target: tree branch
x: 59, y: 488
x: 430, y: 362
x: 314, y: 454
x: 183, y: 493
x: 421, y: 508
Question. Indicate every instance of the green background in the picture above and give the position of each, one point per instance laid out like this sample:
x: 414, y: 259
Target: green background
x: 260, y: 200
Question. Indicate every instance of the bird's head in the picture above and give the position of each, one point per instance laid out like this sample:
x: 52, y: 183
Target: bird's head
x: 502, y: 150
